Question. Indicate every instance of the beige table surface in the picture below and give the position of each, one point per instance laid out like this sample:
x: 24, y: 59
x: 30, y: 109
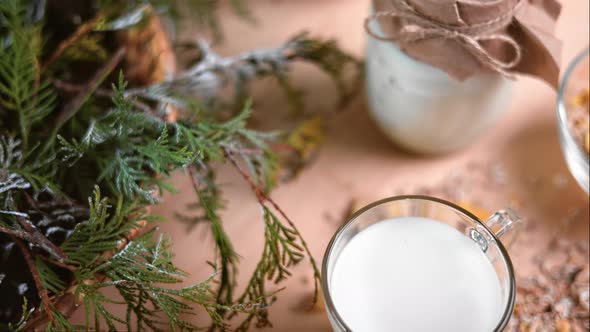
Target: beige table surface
x: 356, y: 161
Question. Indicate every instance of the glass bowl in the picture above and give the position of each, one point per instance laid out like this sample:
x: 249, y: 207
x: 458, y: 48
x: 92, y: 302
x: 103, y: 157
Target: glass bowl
x: 573, y: 81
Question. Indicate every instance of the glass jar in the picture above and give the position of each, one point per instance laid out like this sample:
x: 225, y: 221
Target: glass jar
x: 574, y: 80
x: 422, y: 109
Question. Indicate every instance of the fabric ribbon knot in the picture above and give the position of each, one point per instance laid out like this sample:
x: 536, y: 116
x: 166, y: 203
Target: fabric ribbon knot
x: 416, y: 26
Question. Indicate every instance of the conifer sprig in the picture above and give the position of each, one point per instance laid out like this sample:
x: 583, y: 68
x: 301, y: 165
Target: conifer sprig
x: 80, y: 239
x: 284, y: 247
x: 22, y: 89
x: 212, y: 73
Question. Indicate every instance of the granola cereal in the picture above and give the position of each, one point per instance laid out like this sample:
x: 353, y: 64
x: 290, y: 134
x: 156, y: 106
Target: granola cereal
x: 555, y: 299
x: 579, y: 117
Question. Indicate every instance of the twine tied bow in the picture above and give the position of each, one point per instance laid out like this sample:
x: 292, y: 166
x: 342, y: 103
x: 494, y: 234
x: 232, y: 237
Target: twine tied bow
x: 418, y: 26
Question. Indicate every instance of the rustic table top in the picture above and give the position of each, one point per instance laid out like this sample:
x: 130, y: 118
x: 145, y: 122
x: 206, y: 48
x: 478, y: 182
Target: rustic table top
x: 358, y: 164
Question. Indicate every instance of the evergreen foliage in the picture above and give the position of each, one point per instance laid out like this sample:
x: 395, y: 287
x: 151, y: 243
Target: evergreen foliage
x: 81, y: 163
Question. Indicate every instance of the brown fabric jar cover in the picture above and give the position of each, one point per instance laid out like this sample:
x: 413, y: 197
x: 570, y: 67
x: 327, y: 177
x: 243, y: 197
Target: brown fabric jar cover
x: 467, y: 37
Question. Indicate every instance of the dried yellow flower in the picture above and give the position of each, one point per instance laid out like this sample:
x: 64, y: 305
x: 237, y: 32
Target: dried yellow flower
x: 479, y: 212
x: 582, y: 98
x: 562, y: 326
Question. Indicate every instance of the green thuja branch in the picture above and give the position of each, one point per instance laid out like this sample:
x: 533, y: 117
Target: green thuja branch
x: 212, y: 73
x: 22, y: 90
x: 139, y: 272
x: 22, y: 322
x: 209, y: 200
x: 81, y: 240
x: 284, y: 247
x: 176, y: 144
x: 103, y: 230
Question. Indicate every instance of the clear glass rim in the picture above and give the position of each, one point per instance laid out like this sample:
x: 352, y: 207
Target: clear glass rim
x: 331, y: 308
x: 562, y: 117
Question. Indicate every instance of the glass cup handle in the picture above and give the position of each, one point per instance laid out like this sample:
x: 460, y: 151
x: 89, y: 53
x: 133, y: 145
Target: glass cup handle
x: 505, y: 224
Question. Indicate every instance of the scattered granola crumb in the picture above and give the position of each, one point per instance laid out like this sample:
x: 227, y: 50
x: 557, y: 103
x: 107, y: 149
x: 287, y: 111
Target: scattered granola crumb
x: 559, y: 181
x: 555, y: 299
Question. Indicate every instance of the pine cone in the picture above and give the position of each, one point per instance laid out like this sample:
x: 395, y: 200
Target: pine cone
x: 56, y: 220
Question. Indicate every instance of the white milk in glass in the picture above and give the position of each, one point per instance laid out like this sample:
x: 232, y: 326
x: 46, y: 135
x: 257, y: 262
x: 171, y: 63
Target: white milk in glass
x: 415, y: 274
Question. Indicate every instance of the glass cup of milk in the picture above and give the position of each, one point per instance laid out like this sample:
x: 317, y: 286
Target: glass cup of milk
x: 420, y: 264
